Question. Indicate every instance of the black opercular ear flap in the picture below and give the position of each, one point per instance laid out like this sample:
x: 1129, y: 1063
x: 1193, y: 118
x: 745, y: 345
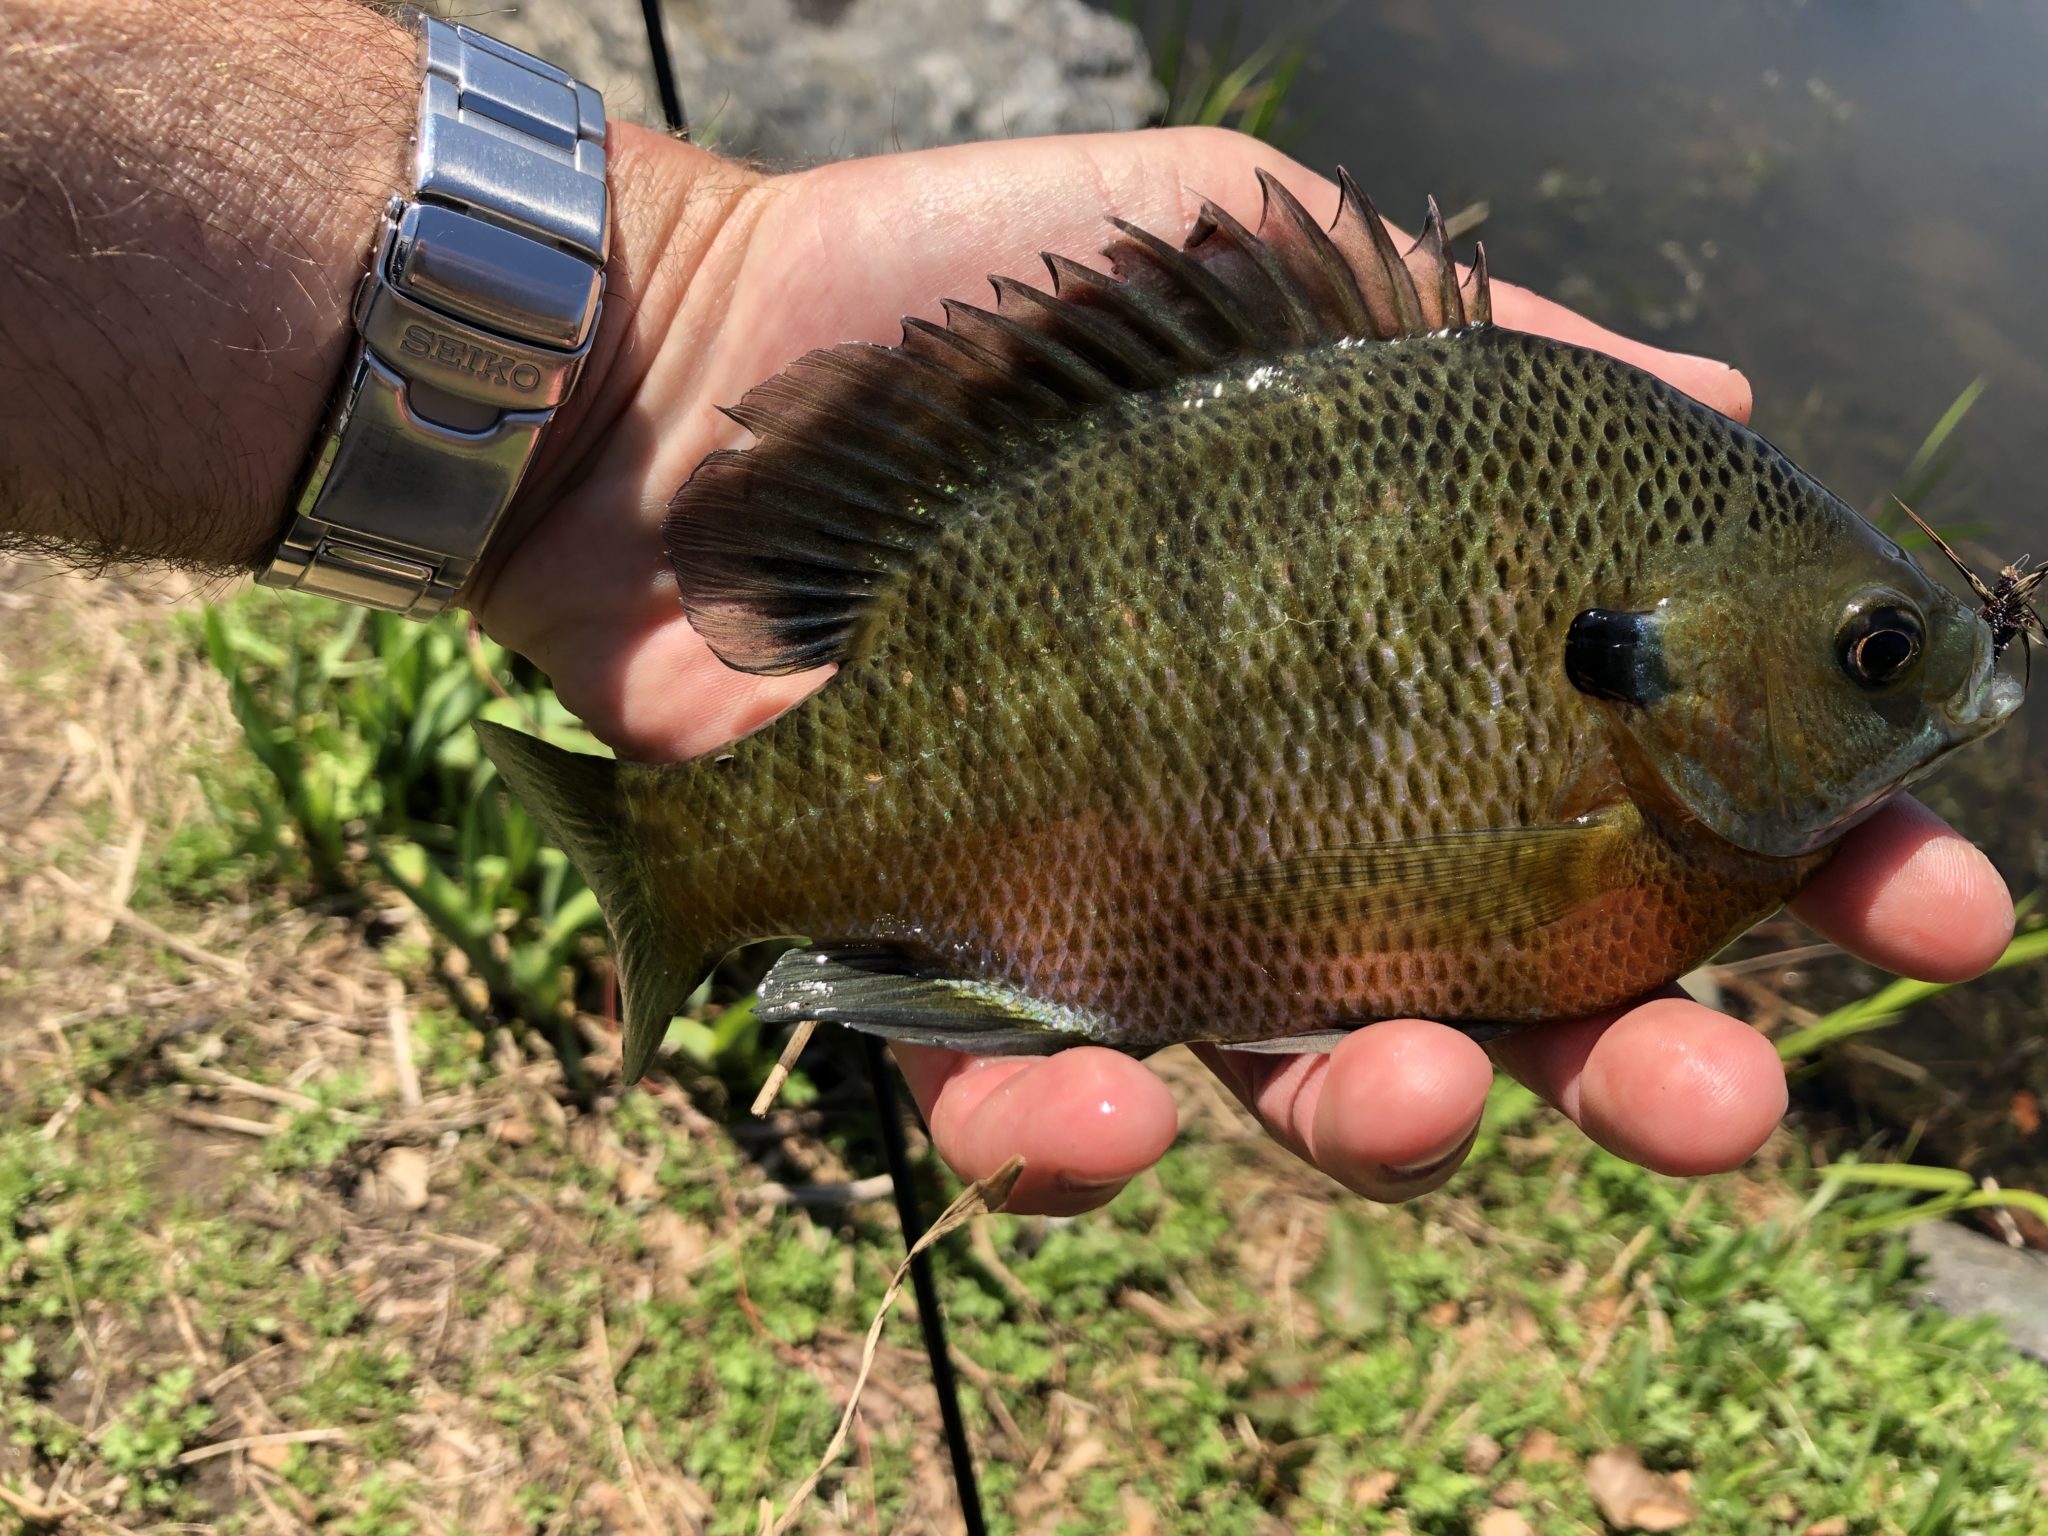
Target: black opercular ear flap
x: 1616, y: 656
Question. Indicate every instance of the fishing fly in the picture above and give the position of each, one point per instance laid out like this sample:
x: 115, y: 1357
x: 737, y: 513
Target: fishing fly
x: 2007, y: 603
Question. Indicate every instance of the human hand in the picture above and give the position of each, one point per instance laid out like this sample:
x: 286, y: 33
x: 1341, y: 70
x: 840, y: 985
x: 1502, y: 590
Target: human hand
x: 727, y: 277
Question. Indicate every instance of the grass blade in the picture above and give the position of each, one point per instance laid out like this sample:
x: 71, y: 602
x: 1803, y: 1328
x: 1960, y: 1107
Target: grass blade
x: 1888, y: 1004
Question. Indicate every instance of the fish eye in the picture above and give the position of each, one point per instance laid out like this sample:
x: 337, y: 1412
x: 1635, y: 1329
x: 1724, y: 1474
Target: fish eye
x: 1879, y: 645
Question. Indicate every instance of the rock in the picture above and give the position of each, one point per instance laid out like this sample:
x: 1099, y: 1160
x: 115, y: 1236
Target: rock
x: 402, y: 1178
x: 1482, y: 1454
x: 603, y: 43
x: 794, y: 82
x: 1971, y: 1275
x: 1632, y: 1497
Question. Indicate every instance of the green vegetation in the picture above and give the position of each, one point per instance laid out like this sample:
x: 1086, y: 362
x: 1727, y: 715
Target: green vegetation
x: 363, y: 723
x: 1933, y: 462
x: 1211, y: 81
x: 524, y: 1303
x: 1228, y: 1344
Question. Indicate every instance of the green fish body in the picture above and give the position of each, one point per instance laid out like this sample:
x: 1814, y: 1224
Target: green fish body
x: 1249, y: 646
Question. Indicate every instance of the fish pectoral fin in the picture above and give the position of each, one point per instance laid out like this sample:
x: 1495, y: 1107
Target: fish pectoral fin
x: 1430, y: 890
x: 888, y: 993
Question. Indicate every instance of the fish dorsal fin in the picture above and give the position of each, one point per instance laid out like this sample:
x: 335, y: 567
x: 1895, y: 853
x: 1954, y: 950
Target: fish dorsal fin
x: 781, y: 549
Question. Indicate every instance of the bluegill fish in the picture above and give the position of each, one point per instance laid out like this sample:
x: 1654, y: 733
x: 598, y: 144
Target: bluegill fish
x: 1246, y: 646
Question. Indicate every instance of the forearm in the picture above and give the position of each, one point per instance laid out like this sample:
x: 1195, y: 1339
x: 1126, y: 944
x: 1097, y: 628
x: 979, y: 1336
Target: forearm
x: 189, y: 190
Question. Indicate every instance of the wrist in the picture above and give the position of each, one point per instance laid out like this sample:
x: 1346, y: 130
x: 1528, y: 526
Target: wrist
x: 679, y: 222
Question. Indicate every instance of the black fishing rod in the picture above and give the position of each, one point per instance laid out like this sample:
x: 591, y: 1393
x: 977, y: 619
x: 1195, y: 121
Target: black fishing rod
x: 929, y: 1316
x: 664, y: 69
x: 931, y: 1319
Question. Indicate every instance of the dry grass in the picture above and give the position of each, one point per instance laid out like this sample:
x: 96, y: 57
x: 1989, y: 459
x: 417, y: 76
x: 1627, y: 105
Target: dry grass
x: 203, y: 1038
x: 193, y: 1040
x: 293, y: 1238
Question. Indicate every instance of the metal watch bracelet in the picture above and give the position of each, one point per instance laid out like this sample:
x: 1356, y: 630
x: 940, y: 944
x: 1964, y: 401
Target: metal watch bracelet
x: 472, y: 325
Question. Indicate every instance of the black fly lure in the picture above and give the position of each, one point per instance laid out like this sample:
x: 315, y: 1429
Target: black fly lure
x: 2006, y: 604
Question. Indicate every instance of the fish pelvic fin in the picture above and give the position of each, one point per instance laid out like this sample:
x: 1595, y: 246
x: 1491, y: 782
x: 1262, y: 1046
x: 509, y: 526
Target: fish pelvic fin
x: 581, y: 804
x: 783, y: 550
x: 882, y: 991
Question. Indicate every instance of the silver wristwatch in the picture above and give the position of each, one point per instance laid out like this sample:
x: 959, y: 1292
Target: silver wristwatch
x: 472, y: 325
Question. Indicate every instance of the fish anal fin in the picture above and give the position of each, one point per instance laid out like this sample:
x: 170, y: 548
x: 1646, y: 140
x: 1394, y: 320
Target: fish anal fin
x: 1320, y: 1042
x: 1316, y: 1042
x: 1442, y: 890
x: 886, y: 992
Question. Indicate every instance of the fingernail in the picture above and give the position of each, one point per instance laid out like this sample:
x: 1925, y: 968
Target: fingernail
x: 1073, y: 1184
x: 1703, y: 361
x: 1408, y: 1173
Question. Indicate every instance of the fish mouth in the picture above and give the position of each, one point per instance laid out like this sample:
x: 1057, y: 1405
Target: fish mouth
x: 1990, y: 702
x: 1990, y: 706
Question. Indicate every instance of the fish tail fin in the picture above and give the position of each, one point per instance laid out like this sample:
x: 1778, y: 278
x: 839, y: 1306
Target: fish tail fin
x: 580, y: 802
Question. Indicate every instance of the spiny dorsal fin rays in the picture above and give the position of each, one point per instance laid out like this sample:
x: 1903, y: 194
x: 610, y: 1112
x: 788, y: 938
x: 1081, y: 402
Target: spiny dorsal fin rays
x: 1110, y: 348
x: 1317, y: 264
x: 1479, y: 307
x: 784, y: 551
x: 1027, y: 349
x: 1176, y: 345
x: 1279, y: 309
x: 983, y: 369
x: 1444, y: 308
x: 1148, y: 263
x: 1361, y: 234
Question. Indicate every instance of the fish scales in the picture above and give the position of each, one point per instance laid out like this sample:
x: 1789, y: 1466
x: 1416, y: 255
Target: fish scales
x: 1152, y: 729
x: 1242, y: 707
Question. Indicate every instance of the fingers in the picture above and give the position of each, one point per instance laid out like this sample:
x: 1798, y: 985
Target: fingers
x: 1669, y: 1084
x: 992, y: 207
x: 1708, y: 381
x: 1209, y: 162
x: 1390, y: 1113
x: 1085, y: 1121
x: 1909, y: 894
x: 1684, y: 1090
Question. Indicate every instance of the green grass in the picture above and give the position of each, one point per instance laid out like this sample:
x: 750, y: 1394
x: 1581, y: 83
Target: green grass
x: 371, y: 779
x: 1764, y: 1344
x: 1216, y: 81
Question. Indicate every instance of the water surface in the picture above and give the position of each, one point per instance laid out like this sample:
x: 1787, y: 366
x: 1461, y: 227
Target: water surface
x: 1843, y: 198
